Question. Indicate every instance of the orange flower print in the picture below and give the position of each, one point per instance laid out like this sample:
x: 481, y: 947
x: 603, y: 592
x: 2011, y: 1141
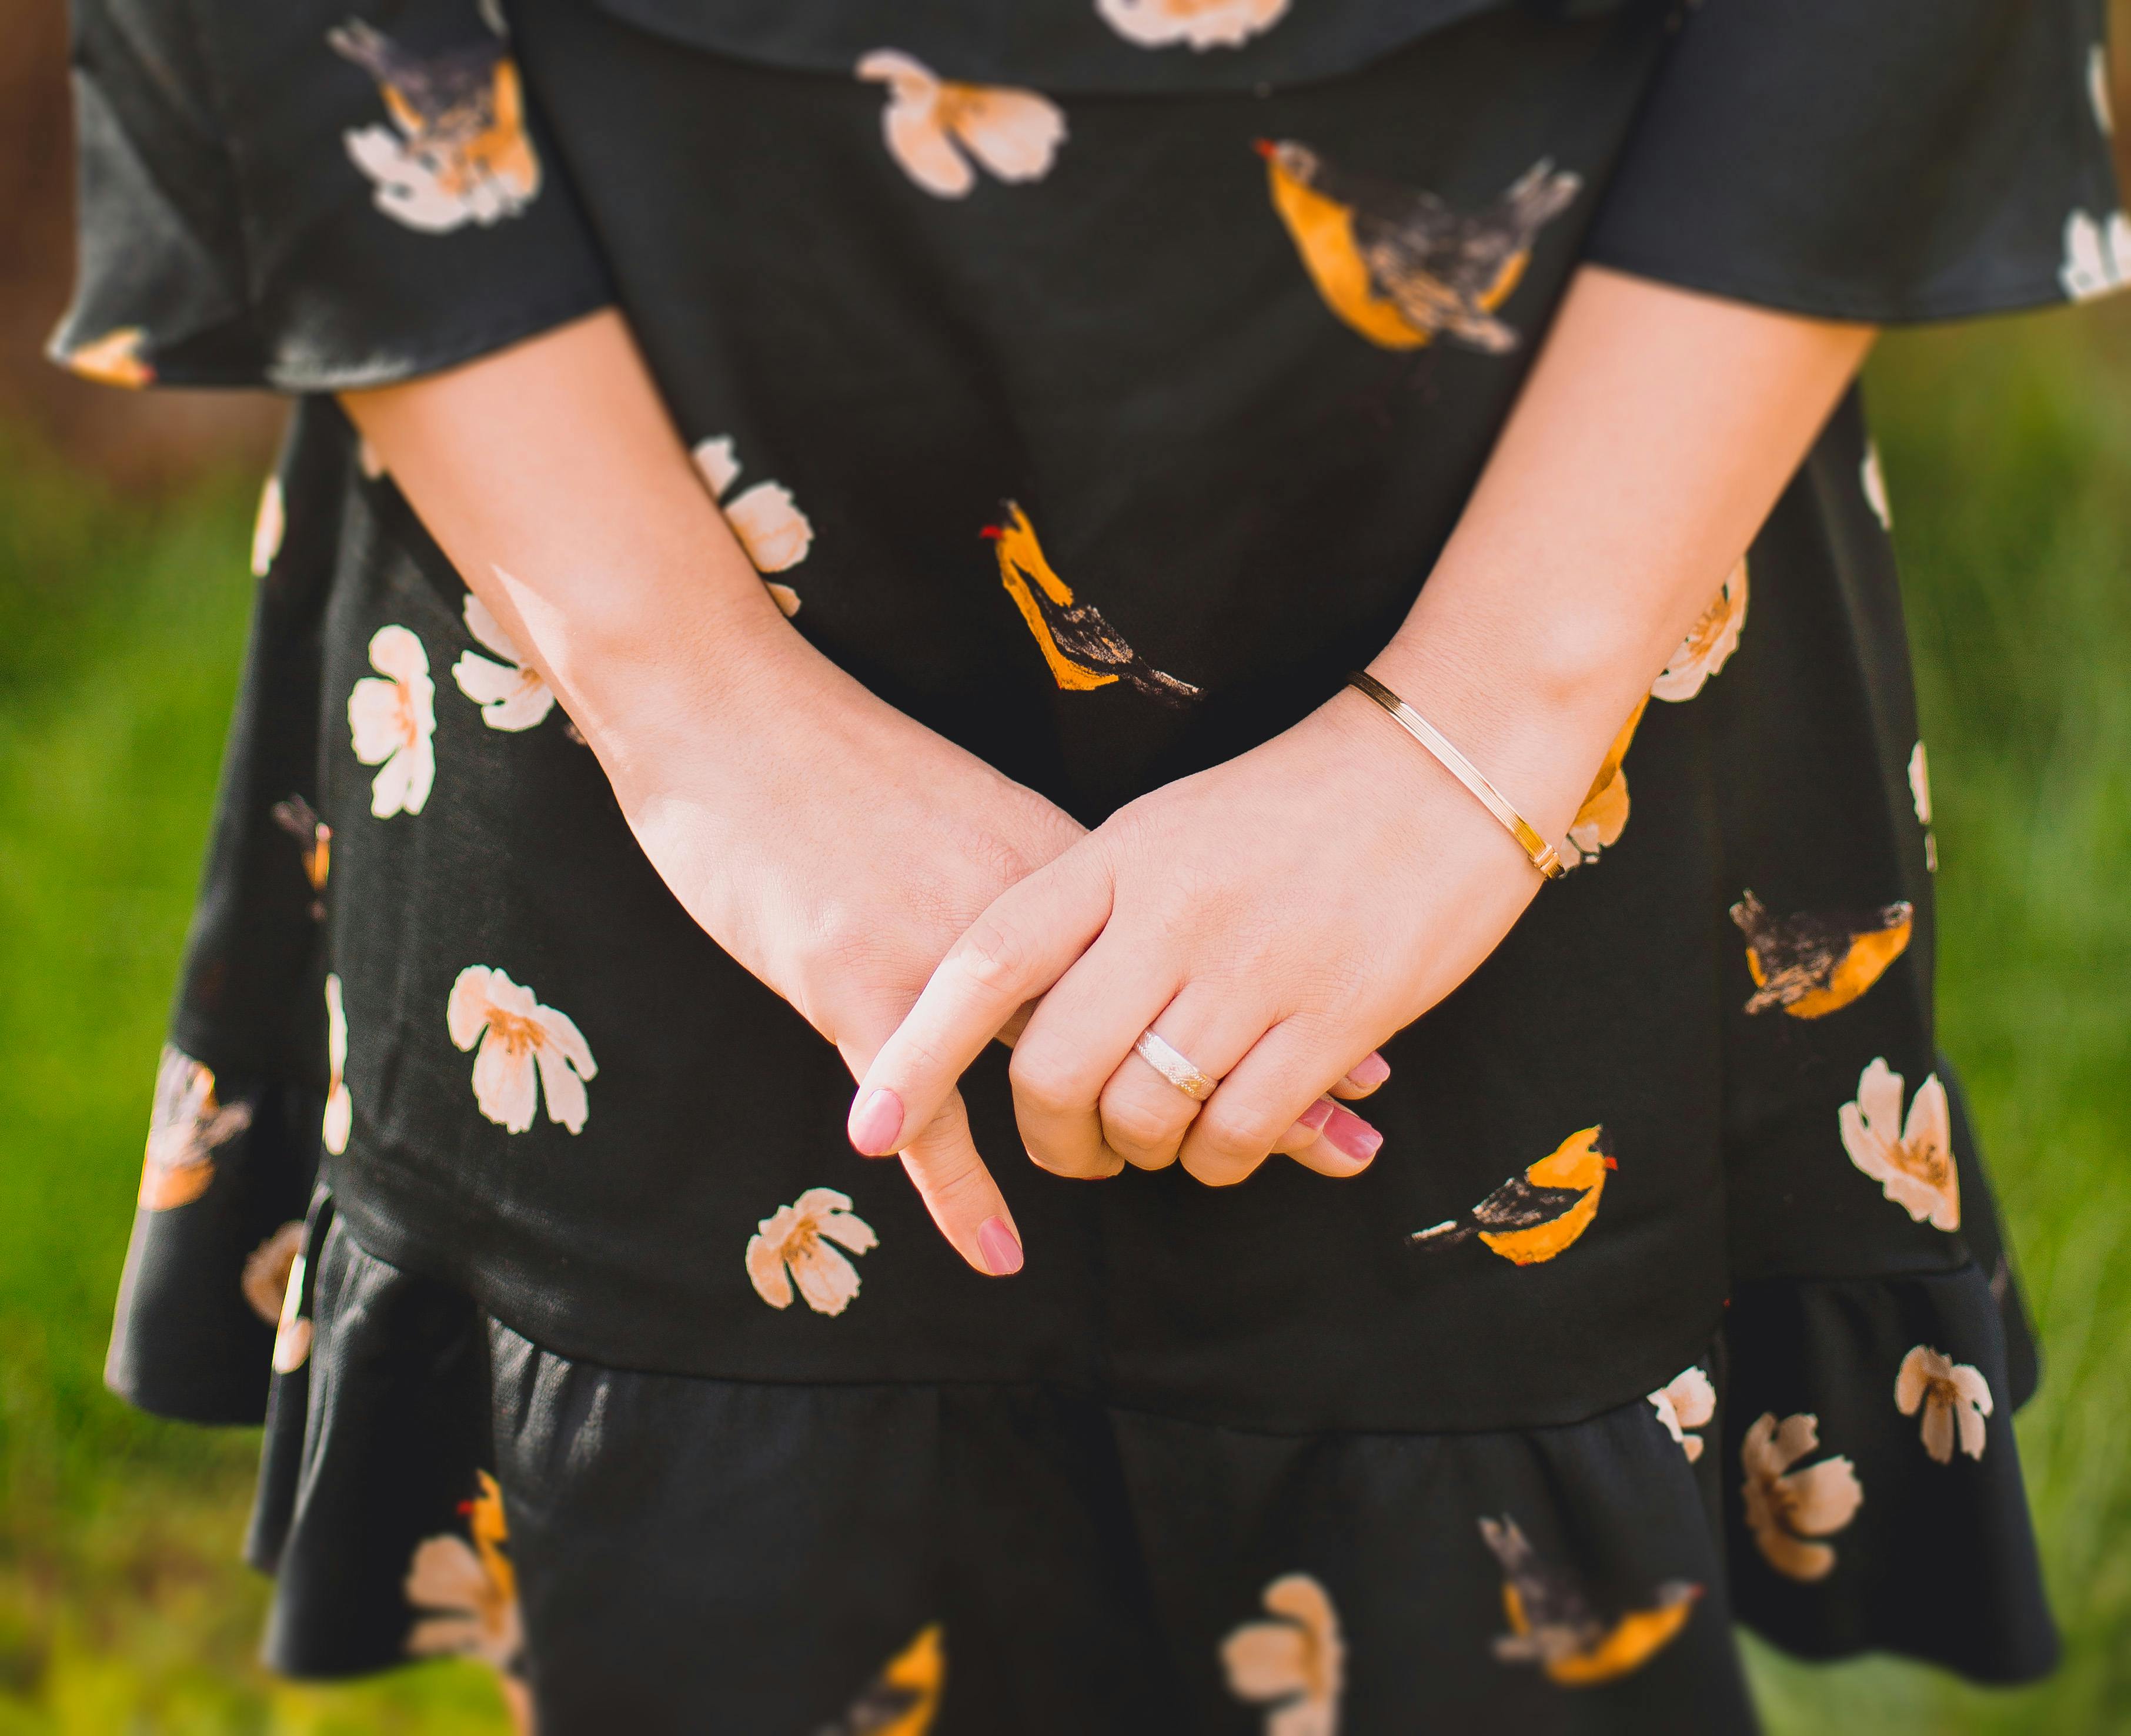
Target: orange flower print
x: 392, y: 716
x: 1787, y: 1510
x: 1533, y: 1216
x: 314, y: 840
x: 114, y: 358
x: 266, y: 1268
x: 934, y: 126
x: 793, y: 1246
x: 904, y: 1699
x: 1873, y: 480
x: 185, y: 1125
x: 512, y: 694
x: 340, y: 1107
x: 1709, y: 643
x: 1296, y: 1663
x: 267, y: 527
x: 466, y: 1596
x: 1198, y: 24
x: 770, y: 527
x: 1604, y: 816
x: 1913, y: 1161
x: 460, y: 154
x: 1084, y: 651
x: 1685, y: 1403
x: 1553, y: 1624
x: 2097, y: 255
x: 519, y: 1037
x: 1817, y: 962
x: 1953, y: 1397
x: 1920, y: 798
x: 1400, y: 266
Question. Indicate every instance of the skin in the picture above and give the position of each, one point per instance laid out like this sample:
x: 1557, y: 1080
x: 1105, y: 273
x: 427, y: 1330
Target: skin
x: 1276, y: 917
x: 828, y: 842
x: 1296, y: 905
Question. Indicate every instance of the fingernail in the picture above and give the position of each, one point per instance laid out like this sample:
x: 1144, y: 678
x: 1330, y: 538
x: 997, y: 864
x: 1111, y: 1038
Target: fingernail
x: 876, y: 1123
x: 1316, y: 1115
x: 1347, y: 1133
x: 1002, y: 1252
x: 1373, y: 1071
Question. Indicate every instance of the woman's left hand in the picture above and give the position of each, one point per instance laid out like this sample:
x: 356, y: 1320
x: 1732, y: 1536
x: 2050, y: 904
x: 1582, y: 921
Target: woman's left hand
x: 1273, y: 920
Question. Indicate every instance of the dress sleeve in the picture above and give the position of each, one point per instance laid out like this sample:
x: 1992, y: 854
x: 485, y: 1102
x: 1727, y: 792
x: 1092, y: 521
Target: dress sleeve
x: 298, y: 196
x: 1899, y: 159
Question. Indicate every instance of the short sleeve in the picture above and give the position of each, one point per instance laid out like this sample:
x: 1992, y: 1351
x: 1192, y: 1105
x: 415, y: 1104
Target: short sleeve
x: 1898, y: 160
x: 297, y: 196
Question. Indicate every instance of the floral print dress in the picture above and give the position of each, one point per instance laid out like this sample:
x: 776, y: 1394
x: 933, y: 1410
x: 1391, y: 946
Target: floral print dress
x: 1097, y: 381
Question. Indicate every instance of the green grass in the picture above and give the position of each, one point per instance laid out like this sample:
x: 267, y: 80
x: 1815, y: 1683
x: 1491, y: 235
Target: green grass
x: 2008, y: 452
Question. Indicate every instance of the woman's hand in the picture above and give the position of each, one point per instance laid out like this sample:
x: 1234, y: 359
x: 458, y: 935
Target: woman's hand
x: 1273, y: 919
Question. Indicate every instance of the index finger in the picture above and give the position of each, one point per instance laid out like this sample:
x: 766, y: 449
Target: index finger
x: 1014, y: 952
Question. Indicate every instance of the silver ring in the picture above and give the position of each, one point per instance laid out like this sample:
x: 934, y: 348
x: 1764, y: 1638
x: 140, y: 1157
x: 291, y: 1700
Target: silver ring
x: 1172, y: 1066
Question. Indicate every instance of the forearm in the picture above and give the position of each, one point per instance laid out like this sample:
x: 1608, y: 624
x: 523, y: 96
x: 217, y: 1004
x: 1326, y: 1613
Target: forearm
x: 1654, y: 434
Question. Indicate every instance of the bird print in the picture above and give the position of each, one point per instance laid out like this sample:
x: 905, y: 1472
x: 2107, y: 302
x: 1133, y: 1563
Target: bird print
x: 1084, y: 651
x: 314, y: 840
x: 461, y: 154
x: 1400, y: 266
x: 1533, y: 1216
x: 903, y: 1700
x: 1817, y: 962
x: 1553, y: 1624
x: 1603, y: 816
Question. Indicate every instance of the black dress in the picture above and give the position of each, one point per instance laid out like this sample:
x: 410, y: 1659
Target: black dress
x: 1676, y: 1295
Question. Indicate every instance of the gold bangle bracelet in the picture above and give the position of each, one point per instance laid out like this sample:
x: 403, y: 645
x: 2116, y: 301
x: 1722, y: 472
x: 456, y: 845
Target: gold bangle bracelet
x: 1544, y: 856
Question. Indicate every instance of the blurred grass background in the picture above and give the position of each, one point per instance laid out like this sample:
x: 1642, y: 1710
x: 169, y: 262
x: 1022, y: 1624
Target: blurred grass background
x: 122, y: 1608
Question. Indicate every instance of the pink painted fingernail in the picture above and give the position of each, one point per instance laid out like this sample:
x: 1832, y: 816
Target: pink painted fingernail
x: 996, y: 1243
x: 1316, y: 1115
x: 1347, y: 1133
x: 876, y: 1123
x: 1372, y: 1071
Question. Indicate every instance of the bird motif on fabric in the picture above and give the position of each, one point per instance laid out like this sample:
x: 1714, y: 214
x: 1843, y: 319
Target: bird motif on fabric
x: 1817, y: 962
x: 903, y: 1700
x: 1084, y: 650
x: 1533, y: 1216
x: 1401, y: 265
x: 1553, y: 1624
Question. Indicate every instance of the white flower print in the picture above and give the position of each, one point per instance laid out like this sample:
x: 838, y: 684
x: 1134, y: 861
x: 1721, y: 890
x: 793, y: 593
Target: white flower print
x: 340, y: 1107
x: 368, y: 460
x: 292, y: 1330
x: 1686, y: 1401
x: 934, y: 126
x: 519, y: 1036
x: 1202, y: 23
x: 1786, y: 1508
x: 1294, y: 1663
x: 267, y: 527
x: 1709, y: 643
x: 266, y: 1267
x: 511, y: 694
x: 1913, y: 1161
x: 792, y: 1246
x: 1951, y: 1394
x: 1874, y: 481
x: 1920, y: 796
x: 772, y: 530
x: 2097, y: 255
x: 186, y: 1123
x: 392, y: 716
x: 2097, y: 88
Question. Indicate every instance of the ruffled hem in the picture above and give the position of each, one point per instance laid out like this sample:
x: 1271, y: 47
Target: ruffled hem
x: 1785, y: 1486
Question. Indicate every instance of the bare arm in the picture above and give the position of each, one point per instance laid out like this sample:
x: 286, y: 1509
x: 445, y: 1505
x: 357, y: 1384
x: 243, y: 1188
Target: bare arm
x: 1275, y: 916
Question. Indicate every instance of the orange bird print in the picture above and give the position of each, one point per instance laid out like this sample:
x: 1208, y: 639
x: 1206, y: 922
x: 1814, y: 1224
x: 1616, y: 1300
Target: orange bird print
x: 1552, y: 1623
x: 903, y: 1700
x: 1084, y: 651
x: 1402, y: 266
x: 1533, y: 1216
x: 1817, y: 962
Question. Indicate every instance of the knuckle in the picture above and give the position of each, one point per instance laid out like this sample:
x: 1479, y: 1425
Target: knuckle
x: 1046, y: 1082
x: 1240, y: 1134
x: 993, y: 955
x: 1133, y: 1124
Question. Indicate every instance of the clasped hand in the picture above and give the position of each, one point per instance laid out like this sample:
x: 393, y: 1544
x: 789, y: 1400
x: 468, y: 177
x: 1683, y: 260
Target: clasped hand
x: 1273, y: 919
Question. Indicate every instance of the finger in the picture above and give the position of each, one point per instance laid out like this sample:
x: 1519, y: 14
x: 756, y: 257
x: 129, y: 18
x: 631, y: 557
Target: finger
x: 959, y: 1191
x: 1262, y: 1098
x: 1020, y: 946
x: 1143, y: 1115
x: 1080, y: 1037
x: 1364, y: 1077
